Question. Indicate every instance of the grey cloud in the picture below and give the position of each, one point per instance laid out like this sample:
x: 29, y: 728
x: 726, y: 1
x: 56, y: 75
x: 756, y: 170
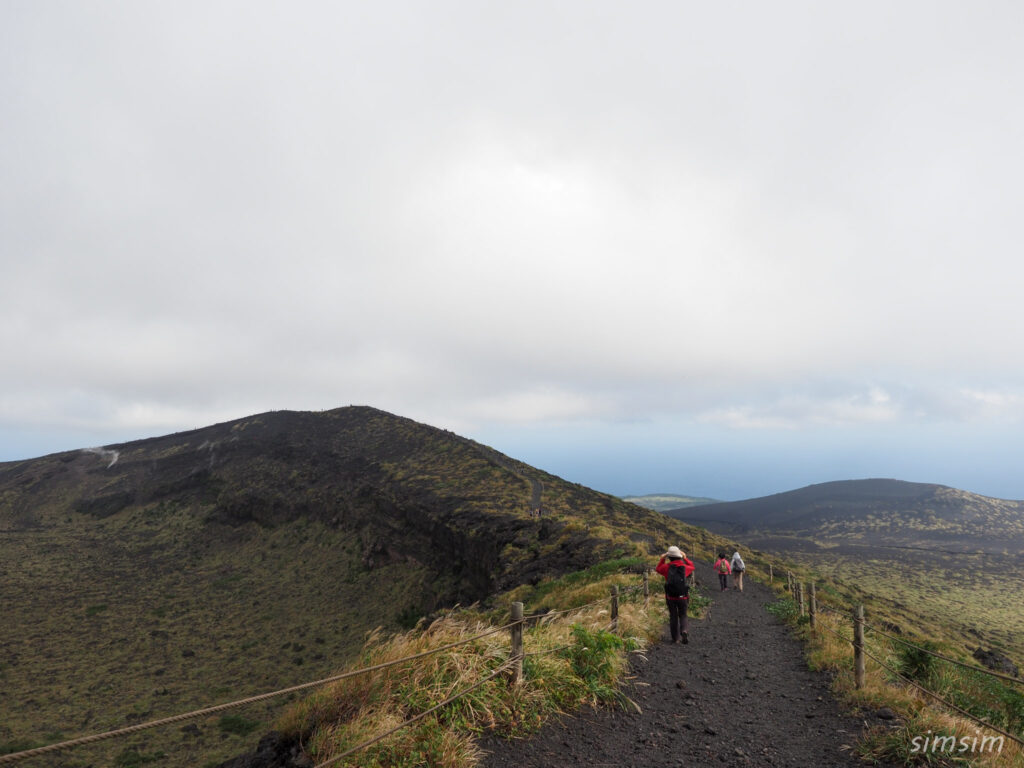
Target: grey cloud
x: 481, y: 213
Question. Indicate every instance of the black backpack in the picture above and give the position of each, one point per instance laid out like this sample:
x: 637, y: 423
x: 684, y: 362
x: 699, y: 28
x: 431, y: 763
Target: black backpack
x: 675, y: 582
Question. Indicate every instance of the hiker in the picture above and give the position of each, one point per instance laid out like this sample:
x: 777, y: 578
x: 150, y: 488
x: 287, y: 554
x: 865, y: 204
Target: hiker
x: 737, y: 570
x: 676, y: 568
x: 722, y: 569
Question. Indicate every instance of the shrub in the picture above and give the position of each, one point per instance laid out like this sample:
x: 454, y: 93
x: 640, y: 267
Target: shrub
x: 917, y: 664
x: 595, y: 657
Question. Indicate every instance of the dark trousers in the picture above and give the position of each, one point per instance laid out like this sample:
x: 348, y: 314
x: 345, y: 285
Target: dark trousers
x: 723, y: 579
x: 677, y: 616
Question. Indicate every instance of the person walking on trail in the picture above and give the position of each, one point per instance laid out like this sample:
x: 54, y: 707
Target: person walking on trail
x: 737, y: 570
x: 676, y: 567
x: 723, y: 570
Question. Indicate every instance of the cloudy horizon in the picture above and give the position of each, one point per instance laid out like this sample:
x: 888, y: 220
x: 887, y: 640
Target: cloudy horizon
x: 665, y: 248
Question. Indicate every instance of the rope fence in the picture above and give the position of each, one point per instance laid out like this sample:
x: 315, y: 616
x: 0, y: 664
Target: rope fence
x: 943, y: 701
x: 826, y: 609
x: 965, y: 665
x: 833, y: 632
x: 973, y: 667
x: 860, y: 652
x: 514, y: 663
x: 549, y: 650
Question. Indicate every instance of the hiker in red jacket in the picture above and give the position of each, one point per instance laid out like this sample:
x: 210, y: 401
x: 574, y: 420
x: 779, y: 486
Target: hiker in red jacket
x: 723, y: 570
x: 676, y: 568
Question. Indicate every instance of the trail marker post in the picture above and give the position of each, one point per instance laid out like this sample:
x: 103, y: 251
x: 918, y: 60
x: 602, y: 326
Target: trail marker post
x: 858, y: 646
x: 517, y: 643
x: 615, y: 608
x: 647, y: 588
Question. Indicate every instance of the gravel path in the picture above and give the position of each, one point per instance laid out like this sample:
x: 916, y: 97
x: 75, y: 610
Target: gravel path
x: 739, y: 693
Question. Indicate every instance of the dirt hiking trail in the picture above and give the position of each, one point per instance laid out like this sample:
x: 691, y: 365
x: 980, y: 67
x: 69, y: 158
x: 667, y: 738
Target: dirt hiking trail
x: 739, y: 693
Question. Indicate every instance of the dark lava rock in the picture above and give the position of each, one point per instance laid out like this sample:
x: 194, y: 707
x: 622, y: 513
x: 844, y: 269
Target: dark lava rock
x: 996, y: 662
x: 273, y: 751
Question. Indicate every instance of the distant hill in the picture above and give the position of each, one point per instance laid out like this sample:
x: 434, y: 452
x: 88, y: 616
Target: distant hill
x: 922, y: 550
x: 663, y: 502
x: 147, y: 578
x: 872, y: 512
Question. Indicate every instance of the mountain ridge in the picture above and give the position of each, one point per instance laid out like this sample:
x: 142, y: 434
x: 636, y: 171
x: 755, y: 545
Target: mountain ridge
x: 873, y: 511
x: 143, y: 577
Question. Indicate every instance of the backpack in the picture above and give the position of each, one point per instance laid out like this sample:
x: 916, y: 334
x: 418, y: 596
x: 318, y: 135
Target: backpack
x: 675, y: 580
x: 723, y: 566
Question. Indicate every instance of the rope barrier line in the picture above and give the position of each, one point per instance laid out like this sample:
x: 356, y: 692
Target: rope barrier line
x: 949, y: 704
x: 538, y: 616
x: 542, y: 616
x: 832, y: 631
x: 935, y: 696
x: 550, y: 650
x: 10, y: 758
x: 410, y: 721
x: 827, y: 609
x: 963, y: 664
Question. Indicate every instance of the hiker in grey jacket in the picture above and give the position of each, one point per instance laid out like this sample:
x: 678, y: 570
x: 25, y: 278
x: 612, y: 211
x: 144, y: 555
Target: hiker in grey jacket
x: 737, y: 571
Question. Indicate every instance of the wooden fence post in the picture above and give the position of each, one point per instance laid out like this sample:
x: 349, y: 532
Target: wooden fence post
x: 800, y: 597
x: 647, y: 588
x: 615, y: 608
x: 789, y: 582
x: 771, y: 575
x: 814, y: 605
x: 858, y: 646
x: 517, y: 643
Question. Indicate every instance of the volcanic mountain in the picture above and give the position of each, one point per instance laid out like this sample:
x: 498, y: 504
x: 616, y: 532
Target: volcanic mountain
x: 146, y: 578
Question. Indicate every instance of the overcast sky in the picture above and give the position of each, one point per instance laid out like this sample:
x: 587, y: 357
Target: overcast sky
x: 722, y: 249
